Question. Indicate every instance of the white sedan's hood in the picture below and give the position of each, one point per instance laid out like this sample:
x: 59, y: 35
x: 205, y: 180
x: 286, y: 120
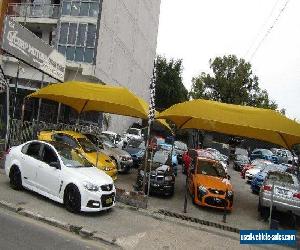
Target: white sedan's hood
x: 91, y: 174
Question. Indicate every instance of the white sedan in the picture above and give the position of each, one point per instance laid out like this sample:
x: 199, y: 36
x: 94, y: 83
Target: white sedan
x: 60, y: 173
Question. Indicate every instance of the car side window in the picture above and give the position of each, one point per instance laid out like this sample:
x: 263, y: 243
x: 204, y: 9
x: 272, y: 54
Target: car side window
x: 49, y: 155
x: 65, y: 139
x: 25, y: 148
x: 33, y: 150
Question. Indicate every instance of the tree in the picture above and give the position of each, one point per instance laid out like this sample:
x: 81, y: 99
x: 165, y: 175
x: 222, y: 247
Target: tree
x: 169, y: 87
x: 232, y: 81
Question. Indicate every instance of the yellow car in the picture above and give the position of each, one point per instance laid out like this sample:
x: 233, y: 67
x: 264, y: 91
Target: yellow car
x: 85, y: 147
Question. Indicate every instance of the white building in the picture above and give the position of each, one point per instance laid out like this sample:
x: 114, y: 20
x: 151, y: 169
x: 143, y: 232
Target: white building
x: 111, y: 41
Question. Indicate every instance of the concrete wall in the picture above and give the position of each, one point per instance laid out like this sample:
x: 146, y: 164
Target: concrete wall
x: 127, y: 47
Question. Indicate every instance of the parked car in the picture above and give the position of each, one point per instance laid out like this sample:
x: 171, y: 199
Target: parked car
x: 117, y: 139
x: 136, y: 148
x: 264, y: 154
x: 168, y: 148
x: 251, y: 165
x: 60, y: 173
x: 122, y: 159
x: 256, y: 168
x: 240, y: 161
x: 180, y: 149
x: 85, y: 147
x: 162, y: 177
x: 134, y: 133
x: 218, y: 154
x: 284, y: 155
x: 203, y: 153
x: 286, y: 193
x: 259, y: 178
x: 209, y: 184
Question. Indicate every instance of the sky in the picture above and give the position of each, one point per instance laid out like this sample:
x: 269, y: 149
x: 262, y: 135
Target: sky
x: 197, y: 30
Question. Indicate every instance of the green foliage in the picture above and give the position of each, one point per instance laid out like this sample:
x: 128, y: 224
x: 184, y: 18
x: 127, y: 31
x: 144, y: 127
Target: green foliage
x: 169, y: 86
x: 231, y: 81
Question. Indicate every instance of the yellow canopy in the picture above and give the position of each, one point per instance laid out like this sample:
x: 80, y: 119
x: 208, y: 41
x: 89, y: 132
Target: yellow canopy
x: 262, y: 124
x: 163, y: 122
x: 85, y: 96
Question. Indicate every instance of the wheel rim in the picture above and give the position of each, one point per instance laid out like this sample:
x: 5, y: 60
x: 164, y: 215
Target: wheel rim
x: 71, y: 198
x: 15, y: 177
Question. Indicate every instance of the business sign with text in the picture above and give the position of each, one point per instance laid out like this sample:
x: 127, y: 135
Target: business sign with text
x: 26, y: 46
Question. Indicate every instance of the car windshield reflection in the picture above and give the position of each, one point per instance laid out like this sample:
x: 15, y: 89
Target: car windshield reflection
x: 71, y: 158
x: 87, y: 145
x: 211, y: 168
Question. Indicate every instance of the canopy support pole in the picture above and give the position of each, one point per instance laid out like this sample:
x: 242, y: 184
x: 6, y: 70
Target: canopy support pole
x: 40, y: 103
x: 150, y: 166
x: 78, y: 118
x: 23, y: 111
x: 146, y: 155
x: 58, y: 112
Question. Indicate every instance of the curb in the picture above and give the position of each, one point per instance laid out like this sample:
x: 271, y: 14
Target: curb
x: 181, y: 219
x: 79, y: 230
x: 9, y: 206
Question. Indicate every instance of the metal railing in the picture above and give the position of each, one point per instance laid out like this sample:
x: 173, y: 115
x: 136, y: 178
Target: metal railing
x: 20, y: 133
x: 34, y: 10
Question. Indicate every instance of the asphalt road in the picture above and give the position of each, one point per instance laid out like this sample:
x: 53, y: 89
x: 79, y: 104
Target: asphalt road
x: 17, y: 232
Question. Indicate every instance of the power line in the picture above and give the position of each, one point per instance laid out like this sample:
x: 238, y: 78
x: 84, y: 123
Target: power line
x: 269, y: 30
x: 262, y: 27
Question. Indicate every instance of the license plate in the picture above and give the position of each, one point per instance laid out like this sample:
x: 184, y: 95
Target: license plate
x: 109, y: 200
x: 282, y: 191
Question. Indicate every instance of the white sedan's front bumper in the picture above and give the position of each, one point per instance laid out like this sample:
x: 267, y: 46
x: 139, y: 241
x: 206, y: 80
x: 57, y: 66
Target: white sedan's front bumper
x: 97, y: 201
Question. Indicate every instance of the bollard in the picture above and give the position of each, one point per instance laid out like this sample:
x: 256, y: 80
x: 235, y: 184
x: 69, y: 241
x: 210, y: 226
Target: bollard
x: 225, y: 208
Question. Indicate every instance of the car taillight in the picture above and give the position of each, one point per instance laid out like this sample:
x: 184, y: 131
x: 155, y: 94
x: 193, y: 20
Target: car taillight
x: 267, y: 188
x: 296, y: 195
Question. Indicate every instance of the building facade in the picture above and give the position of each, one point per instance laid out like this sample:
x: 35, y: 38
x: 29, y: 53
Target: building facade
x: 110, y: 41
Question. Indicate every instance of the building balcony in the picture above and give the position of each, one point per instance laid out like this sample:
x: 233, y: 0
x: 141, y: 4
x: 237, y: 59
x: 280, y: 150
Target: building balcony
x: 34, y: 12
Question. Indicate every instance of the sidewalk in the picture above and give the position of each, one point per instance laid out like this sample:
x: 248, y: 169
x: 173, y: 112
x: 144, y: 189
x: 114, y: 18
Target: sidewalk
x: 126, y: 227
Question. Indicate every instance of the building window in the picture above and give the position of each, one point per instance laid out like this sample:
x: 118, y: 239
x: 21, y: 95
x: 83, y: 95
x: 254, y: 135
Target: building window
x: 77, y: 41
x: 80, y: 8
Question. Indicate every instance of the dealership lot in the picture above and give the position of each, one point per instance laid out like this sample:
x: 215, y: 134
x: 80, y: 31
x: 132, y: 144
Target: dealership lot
x: 243, y: 216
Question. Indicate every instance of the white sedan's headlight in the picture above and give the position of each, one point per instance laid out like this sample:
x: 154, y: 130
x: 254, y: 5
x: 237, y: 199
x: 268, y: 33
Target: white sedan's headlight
x: 91, y: 187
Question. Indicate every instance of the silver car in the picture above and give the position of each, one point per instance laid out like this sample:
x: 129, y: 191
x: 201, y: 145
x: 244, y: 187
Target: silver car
x: 286, y: 193
x: 121, y: 158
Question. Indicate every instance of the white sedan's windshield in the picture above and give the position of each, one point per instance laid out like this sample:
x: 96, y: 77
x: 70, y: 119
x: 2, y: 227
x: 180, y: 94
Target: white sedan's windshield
x: 71, y: 158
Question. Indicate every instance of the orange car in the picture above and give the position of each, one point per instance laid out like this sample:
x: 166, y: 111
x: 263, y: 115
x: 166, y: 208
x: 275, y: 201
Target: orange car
x: 209, y: 185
